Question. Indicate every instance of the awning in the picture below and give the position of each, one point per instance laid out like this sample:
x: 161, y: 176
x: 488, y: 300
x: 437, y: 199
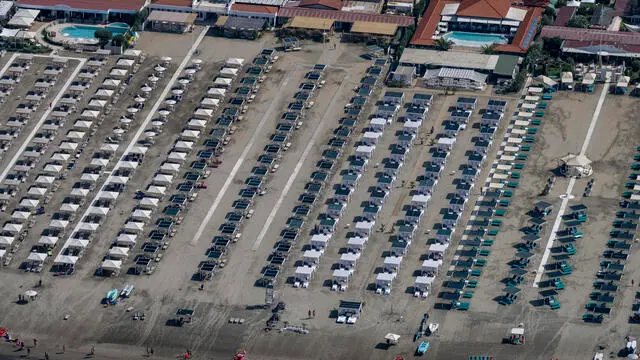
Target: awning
x: 376, y: 28
x: 305, y: 22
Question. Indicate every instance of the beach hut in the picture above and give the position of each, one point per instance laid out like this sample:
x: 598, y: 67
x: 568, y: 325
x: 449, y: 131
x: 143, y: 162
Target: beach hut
x: 340, y: 279
x: 421, y: 286
x: 118, y: 252
x: 622, y: 84
x: 348, y: 260
x: 356, y: 244
x: 111, y: 265
x: 383, y: 282
x: 110, y: 83
x: 203, y: 113
x: 65, y: 260
x: 588, y: 82
x: 216, y: 93
x: 222, y: 82
x: 48, y: 241
x: 228, y: 72
x: 319, y: 241
x: 209, y: 103
x: 436, y: 251
x: 36, y: 258
x: 234, y: 62
x: 312, y: 257
x: 303, y: 275
x: 6, y: 241
x: 431, y: 267
x: 126, y: 239
x: 392, y: 263
x: 378, y: 124
x: 566, y: 80
x: 364, y: 228
x: 119, y: 73
x: 125, y: 63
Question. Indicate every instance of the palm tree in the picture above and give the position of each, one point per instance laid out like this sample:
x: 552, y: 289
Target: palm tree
x: 487, y: 49
x: 443, y: 44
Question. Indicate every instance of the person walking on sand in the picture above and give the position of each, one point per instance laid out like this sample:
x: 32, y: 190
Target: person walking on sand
x: 314, y: 313
x: 151, y: 351
x: 46, y: 356
x: 309, y: 313
x: 64, y: 348
x: 35, y: 342
x: 93, y: 349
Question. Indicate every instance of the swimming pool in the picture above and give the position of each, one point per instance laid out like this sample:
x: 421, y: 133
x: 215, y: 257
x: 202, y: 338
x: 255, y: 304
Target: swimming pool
x: 87, y: 31
x: 475, y: 39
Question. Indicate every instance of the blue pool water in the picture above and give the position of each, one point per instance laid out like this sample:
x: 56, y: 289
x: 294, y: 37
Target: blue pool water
x: 475, y: 39
x: 87, y: 31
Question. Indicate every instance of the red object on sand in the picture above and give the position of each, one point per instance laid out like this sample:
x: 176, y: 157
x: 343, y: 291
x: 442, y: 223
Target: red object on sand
x: 3, y: 332
x: 240, y: 355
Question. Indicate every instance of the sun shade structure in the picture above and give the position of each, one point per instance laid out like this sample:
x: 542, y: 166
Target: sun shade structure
x: 305, y: 22
x: 376, y: 28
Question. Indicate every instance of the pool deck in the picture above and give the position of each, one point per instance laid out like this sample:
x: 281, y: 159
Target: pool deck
x: 59, y: 37
x: 472, y: 43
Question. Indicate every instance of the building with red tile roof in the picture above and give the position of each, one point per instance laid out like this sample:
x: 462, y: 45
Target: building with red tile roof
x: 594, y: 42
x: 345, y: 16
x: 321, y: 4
x: 85, y: 6
x: 172, y: 5
x: 501, y: 17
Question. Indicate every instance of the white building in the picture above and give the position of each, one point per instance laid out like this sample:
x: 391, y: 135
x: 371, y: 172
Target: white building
x: 455, y: 78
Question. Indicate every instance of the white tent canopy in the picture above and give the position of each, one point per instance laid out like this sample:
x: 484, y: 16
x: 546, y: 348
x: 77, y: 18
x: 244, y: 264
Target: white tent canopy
x: 111, y: 265
x: 576, y: 165
x: 126, y: 239
x: 37, y: 257
x: 65, y: 259
x: 117, y: 252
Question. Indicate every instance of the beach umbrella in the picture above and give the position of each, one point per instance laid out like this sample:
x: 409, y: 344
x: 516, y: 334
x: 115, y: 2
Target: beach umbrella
x: 133, y: 110
x: 177, y: 91
x: 30, y: 293
x: 146, y: 89
x: 165, y: 59
x: 118, y: 131
x: 125, y: 120
x: 170, y: 102
x: 183, y: 81
x: 196, y: 61
x: 153, y: 78
x: 157, y: 123
x: 150, y: 133
x: 164, y: 112
x: 190, y: 71
x: 140, y: 99
x: 160, y: 69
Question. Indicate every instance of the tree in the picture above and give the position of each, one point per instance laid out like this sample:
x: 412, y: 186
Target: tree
x: 118, y: 40
x: 487, y: 49
x: 635, y: 65
x: 579, y: 21
x: 443, y: 44
x: 103, y: 36
x: 552, y: 46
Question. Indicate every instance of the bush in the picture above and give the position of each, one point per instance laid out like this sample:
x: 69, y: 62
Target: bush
x: 103, y: 36
x: 118, y: 40
x: 635, y: 65
x: 579, y: 21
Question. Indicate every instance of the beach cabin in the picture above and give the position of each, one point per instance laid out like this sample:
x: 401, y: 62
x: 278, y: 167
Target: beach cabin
x: 358, y: 164
x: 422, y: 99
x: 335, y: 208
x: 416, y: 112
x: 436, y: 251
x: 457, y: 203
x: 497, y: 105
x: 378, y: 124
x: 481, y: 146
x: 383, y: 282
x: 371, y: 137
x: 440, y: 156
x: 432, y: 169
x: 460, y: 116
x: 450, y: 218
x: 400, y: 247
x: 399, y: 152
x: 431, y: 267
x: 622, y: 84
x: 392, y: 263
x: 364, y: 228
x: 343, y: 193
x: 391, y: 166
x: 422, y: 285
x: 413, y: 214
x: 405, y: 138
x: 566, y: 80
x: 340, y: 279
x: 348, y: 260
x: 451, y: 129
x: 312, y: 257
x: 427, y: 185
x: 349, y: 312
x: 443, y: 235
x: 487, y: 132
x: 302, y: 276
x: 588, y: 82
x: 476, y: 159
x: 412, y: 126
x: 466, y: 103
x: 365, y: 151
x: 387, y: 111
x: 356, y: 244
x: 420, y: 200
x: 385, y: 181
x: 378, y: 196
x: 491, y: 118
x: 406, y: 232
x: 469, y: 174
x: 393, y: 97
x: 350, y: 178
x: 327, y: 225
x: 463, y: 189
x: 319, y: 241
x: 446, y: 143
x: 370, y: 211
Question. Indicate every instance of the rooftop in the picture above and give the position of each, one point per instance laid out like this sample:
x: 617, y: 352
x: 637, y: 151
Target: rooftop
x: 96, y: 5
x: 177, y: 3
x: 493, y: 9
x: 456, y: 73
x: 564, y: 15
x: 464, y: 60
x: 592, y: 41
x: 259, y: 9
x: 172, y: 16
x: 345, y: 16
